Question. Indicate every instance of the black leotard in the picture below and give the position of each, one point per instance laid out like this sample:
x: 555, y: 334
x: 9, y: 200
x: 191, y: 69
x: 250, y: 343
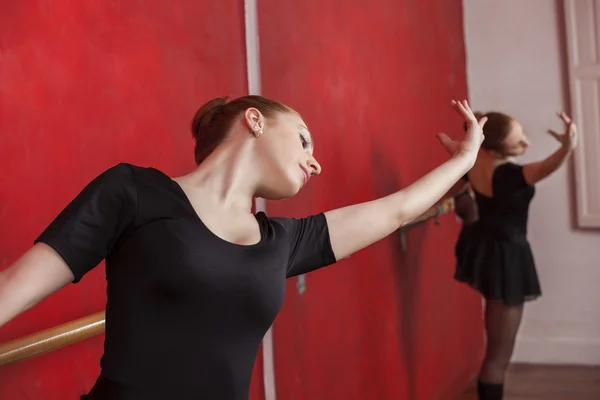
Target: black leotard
x: 186, y: 310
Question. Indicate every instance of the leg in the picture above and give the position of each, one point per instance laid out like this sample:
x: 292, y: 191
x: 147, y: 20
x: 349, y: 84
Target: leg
x: 501, y: 324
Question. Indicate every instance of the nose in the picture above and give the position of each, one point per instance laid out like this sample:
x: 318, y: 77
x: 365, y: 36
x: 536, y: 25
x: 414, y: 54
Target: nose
x: 315, y: 167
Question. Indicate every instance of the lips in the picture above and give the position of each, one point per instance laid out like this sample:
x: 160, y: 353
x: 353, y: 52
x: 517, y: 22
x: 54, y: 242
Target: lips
x: 306, y: 174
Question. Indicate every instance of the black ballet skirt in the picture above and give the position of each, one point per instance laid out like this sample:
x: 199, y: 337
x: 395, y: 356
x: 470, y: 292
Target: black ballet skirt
x: 493, y: 254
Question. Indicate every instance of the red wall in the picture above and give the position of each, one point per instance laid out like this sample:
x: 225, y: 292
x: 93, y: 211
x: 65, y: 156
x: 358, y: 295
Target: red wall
x: 84, y: 85
x: 374, y: 85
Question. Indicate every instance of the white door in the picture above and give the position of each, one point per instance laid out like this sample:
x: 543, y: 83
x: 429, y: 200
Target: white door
x: 582, y: 22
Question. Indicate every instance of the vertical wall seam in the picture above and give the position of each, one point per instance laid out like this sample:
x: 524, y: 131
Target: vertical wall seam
x: 254, y: 87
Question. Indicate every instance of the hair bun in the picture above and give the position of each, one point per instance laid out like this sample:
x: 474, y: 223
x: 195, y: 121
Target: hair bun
x: 214, y: 120
x: 205, y: 115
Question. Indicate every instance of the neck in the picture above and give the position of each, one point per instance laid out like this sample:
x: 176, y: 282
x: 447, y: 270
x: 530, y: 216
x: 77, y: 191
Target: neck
x: 494, y: 156
x: 226, y: 177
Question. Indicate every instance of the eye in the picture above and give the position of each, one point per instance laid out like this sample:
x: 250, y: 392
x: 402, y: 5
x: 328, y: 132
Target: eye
x: 304, y: 140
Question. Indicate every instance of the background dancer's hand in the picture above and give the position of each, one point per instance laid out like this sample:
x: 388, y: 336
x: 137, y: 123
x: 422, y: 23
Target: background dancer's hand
x: 569, y: 138
x: 474, y: 133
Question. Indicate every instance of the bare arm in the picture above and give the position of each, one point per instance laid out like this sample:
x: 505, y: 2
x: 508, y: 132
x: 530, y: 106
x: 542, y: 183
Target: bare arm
x: 83, y: 234
x: 459, y: 187
x: 355, y: 227
x: 535, y: 172
x: 33, y: 277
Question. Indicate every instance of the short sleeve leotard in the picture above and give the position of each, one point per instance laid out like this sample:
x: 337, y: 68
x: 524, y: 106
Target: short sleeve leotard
x: 186, y: 310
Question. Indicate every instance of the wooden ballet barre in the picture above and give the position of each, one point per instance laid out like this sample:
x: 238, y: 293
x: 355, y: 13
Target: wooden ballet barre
x: 444, y: 207
x: 51, y: 339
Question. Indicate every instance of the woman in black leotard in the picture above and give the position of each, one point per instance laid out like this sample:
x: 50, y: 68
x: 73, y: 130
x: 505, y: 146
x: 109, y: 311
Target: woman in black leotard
x: 493, y: 254
x: 195, y: 279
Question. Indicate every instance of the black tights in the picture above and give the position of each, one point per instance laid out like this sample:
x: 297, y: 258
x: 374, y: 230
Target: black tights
x: 501, y: 326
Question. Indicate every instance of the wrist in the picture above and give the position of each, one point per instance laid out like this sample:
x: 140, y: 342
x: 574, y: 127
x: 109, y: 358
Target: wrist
x: 568, y: 147
x: 467, y: 158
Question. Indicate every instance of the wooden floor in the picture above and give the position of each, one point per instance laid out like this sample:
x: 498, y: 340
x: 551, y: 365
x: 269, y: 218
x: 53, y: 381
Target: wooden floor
x: 528, y: 382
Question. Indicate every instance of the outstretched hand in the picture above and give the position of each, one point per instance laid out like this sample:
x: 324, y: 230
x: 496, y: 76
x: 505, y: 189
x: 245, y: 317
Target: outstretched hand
x: 569, y: 137
x: 474, y: 133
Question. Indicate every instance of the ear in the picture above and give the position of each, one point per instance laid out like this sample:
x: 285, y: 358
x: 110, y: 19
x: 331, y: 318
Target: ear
x: 255, y: 121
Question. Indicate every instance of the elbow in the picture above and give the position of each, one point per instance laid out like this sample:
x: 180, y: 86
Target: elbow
x: 404, y: 219
x: 406, y: 215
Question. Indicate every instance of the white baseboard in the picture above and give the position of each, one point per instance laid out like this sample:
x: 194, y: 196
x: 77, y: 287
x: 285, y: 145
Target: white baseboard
x: 557, y: 351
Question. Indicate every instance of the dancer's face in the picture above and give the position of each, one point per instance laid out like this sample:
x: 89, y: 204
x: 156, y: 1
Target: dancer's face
x: 285, y: 156
x: 515, y: 143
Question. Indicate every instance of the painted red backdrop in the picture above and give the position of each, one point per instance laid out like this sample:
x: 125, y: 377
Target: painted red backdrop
x: 84, y: 85
x: 374, y: 85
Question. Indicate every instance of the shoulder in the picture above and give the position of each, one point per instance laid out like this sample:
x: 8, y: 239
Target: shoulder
x: 509, y: 166
x: 274, y: 225
x: 285, y: 223
x: 119, y: 171
x: 126, y: 179
x: 509, y: 175
x: 124, y: 169
x: 298, y: 226
x: 118, y: 176
x: 289, y: 224
x: 131, y: 173
x: 115, y: 184
x: 508, y: 170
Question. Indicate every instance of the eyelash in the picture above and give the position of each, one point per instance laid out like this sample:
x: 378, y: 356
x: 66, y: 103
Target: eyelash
x: 304, y: 140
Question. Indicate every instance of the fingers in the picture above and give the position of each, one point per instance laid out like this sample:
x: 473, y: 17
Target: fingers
x: 456, y: 105
x: 571, y: 128
x: 554, y: 134
x: 448, y: 143
x: 444, y: 139
x: 482, y: 121
x: 565, y: 118
x: 462, y: 107
x: 466, y: 106
x: 459, y: 106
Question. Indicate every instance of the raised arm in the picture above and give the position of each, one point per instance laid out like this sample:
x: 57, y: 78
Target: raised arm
x: 458, y: 189
x: 36, y: 275
x: 536, y: 171
x: 355, y: 227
